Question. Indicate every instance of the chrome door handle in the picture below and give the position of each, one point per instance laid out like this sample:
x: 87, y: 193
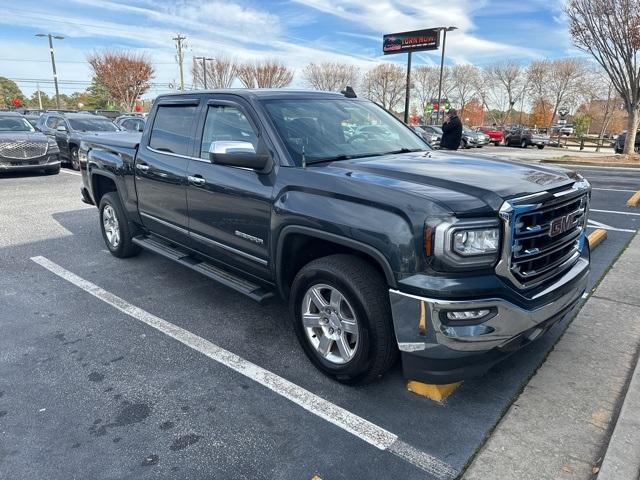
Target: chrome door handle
x: 198, y: 181
x: 142, y: 167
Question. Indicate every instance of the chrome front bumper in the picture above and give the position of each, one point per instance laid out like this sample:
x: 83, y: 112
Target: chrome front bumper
x: 420, y: 329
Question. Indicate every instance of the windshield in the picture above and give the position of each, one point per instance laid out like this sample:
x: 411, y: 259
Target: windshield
x: 338, y: 129
x: 15, y: 124
x: 92, y: 125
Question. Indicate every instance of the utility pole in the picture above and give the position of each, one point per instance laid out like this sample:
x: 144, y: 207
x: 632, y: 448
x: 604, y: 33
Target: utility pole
x: 204, y: 69
x: 407, y: 91
x: 180, y: 56
x: 53, y: 62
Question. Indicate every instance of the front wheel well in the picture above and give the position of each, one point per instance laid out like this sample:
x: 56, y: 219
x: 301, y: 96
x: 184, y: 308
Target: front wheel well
x: 298, y: 249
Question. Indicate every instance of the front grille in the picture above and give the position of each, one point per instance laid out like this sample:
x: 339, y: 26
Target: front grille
x: 546, y: 238
x: 23, y: 149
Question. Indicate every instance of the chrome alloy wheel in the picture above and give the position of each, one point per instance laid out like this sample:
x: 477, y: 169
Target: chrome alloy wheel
x: 330, y: 323
x: 111, y: 226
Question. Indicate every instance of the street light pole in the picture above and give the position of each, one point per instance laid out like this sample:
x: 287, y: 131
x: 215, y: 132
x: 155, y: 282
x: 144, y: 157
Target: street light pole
x: 204, y: 69
x: 444, y: 44
x: 53, y: 62
x: 407, y: 91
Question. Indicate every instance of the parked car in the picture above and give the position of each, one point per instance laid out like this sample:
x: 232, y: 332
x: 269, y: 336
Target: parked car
x: 435, y: 129
x: 561, y: 129
x: 32, y: 119
x: 525, y: 137
x: 428, y: 136
x: 131, y: 123
x: 622, y: 138
x: 379, y: 244
x: 23, y: 148
x: 495, y: 134
x: 469, y: 138
x: 68, y: 128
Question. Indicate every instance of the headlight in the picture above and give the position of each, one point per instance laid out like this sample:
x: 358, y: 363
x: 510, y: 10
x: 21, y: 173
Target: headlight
x: 463, y: 244
x: 52, y: 144
x: 476, y: 242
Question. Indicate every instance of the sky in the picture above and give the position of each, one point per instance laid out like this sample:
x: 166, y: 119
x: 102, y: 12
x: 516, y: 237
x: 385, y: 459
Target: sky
x: 294, y: 31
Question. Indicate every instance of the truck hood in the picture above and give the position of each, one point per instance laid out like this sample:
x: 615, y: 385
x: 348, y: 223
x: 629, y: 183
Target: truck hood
x: 488, y: 180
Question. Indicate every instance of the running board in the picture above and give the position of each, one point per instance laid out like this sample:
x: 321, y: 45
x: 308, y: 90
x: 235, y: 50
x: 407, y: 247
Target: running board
x: 185, y: 258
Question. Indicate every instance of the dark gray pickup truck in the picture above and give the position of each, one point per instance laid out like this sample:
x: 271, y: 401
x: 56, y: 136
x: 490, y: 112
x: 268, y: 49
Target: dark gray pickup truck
x: 380, y: 245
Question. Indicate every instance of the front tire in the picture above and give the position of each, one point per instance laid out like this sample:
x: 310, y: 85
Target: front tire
x: 540, y: 147
x: 342, y: 318
x: 52, y: 170
x: 523, y: 144
x: 116, y: 229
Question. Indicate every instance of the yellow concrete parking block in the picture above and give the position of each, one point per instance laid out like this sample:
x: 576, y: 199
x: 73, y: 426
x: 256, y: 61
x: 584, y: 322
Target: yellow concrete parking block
x: 437, y: 393
x: 634, y: 200
x: 596, y: 237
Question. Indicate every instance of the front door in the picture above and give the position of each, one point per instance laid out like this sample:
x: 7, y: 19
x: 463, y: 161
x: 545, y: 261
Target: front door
x: 229, y: 207
x: 62, y: 137
x: 161, y: 166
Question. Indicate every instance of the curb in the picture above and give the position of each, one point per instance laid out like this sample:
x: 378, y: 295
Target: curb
x: 634, y: 200
x: 622, y: 458
x: 596, y: 237
x: 579, y: 163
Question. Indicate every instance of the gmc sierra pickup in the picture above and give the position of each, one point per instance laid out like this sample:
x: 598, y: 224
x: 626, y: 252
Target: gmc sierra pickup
x: 380, y: 245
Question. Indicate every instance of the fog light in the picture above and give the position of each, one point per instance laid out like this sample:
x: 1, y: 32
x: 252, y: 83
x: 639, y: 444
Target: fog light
x: 468, y: 314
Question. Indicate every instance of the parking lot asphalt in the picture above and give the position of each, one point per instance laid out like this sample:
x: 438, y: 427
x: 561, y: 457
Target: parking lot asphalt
x: 88, y: 390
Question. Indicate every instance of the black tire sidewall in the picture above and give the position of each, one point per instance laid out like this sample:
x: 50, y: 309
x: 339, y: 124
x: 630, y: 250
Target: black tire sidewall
x: 125, y: 248
x: 359, y: 364
x: 73, y: 155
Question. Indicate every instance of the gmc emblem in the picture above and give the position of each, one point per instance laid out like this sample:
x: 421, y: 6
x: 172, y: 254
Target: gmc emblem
x: 562, y: 224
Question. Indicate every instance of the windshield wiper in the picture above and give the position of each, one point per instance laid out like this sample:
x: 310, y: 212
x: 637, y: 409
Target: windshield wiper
x: 404, y: 150
x: 342, y: 157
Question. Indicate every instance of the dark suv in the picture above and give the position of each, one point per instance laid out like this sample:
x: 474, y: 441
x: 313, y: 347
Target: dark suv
x: 67, y: 128
x: 379, y: 244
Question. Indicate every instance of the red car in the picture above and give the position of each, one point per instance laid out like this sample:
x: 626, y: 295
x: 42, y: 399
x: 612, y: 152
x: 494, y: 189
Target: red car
x: 497, y: 136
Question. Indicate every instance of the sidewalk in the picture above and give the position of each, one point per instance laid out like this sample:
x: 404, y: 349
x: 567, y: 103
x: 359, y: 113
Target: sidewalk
x: 561, y: 424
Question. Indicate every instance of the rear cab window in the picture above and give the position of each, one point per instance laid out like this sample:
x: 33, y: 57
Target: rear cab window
x: 173, y: 129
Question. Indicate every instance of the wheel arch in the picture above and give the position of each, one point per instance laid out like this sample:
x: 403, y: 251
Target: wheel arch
x: 307, y: 244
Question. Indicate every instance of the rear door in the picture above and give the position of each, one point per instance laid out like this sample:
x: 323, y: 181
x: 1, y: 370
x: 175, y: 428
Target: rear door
x: 161, y: 166
x: 230, y: 207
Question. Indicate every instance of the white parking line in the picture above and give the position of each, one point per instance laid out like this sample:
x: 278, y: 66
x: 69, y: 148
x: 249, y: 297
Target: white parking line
x: 615, y: 211
x: 350, y: 422
x: 70, y: 173
x: 594, y: 224
x: 614, y: 190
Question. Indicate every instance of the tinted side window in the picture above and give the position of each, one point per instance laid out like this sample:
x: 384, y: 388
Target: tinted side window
x: 226, y: 123
x: 172, y: 129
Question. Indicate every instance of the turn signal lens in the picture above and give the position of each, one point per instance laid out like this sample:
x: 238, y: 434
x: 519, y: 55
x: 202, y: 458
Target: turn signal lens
x: 428, y: 241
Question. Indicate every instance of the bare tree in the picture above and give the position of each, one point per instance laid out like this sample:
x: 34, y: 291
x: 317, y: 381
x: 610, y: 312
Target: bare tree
x: 610, y: 31
x: 505, y: 84
x: 463, y: 84
x: 330, y: 76
x: 265, y: 74
x: 385, y: 84
x: 566, y: 82
x: 424, y: 83
x: 538, y: 74
x: 124, y: 75
x: 221, y: 72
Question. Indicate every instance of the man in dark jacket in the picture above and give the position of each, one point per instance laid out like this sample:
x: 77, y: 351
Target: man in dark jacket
x: 451, y: 131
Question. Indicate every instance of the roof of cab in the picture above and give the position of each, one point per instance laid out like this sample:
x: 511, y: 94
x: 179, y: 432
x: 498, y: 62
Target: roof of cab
x: 261, y: 93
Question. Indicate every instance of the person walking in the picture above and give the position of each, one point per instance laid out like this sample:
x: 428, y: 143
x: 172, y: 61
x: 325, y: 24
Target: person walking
x: 451, y: 131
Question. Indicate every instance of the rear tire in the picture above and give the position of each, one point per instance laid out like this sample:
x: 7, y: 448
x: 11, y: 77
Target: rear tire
x: 75, y: 160
x: 362, y: 311
x: 117, y: 231
x: 523, y: 144
x: 540, y: 147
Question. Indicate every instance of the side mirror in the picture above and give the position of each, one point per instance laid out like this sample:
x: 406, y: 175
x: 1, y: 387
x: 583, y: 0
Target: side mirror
x: 61, y: 128
x: 237, y: 154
